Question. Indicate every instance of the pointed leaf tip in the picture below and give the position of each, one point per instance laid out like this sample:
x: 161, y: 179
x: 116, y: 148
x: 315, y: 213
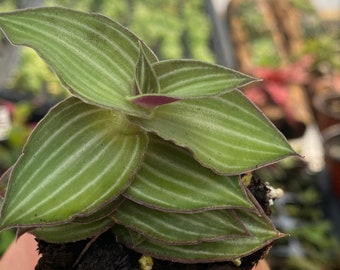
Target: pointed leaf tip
x: 145, y: 76
x: 260, y: 234
x: 226, y: 133
x: 186, y: 79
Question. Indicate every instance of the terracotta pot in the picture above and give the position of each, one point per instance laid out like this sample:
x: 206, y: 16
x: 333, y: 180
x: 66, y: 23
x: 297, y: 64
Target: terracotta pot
x: 327, y: 110
x: 331, y: 137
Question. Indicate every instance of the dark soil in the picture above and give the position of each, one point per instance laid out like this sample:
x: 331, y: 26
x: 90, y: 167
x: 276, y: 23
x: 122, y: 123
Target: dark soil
x: 105, y: 253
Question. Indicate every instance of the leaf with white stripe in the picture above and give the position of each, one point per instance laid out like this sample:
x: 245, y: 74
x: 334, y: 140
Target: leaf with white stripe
x: 4, y: 182
x: 180, y: 228
x: 80, y: 228
x: 261, y: 232
x: 146, y: 79
x: 71, y: 232
x: 196, y: 79
x: 78, y: 158
x: 185, y: 79
x: 93, y: 56
x: 226, y: 133
x: 171, y: 180
x: 102, y: 212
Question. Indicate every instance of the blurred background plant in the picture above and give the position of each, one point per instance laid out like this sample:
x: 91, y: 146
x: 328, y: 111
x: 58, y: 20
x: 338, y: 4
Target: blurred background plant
x: 297, y: 53
x: 318, y: 37
x: 312, y: 244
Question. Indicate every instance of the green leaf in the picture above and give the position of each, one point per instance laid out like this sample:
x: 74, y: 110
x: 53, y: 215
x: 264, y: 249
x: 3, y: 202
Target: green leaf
x: 170, y: 179
x: 225, y: 133
x: 100, y: 213
x: 180, y: 228
x: 147, y: 82
x: 261, y: 232
x: 73, y: 231
x: 78, y: 158
x: 4, y: 182
x: 186, y: 79
x: 80, y: 228
x: 93, y: 56
x: 195, y: 79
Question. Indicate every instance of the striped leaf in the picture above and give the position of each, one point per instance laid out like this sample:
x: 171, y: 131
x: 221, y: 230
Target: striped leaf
x: 3, y: 186
x: 100, y: 213
x: 225, y: 133
x: 171, y: 180
x: 185, y: 79
x: 3, y: 182
x: 180, y: 228
x: 79, y: 158
x: 146, y: 79
x: 73, y: 231
x: 93, y: 56
x: 261, y: 232
x: 195, y: 79
x: 80, y: 228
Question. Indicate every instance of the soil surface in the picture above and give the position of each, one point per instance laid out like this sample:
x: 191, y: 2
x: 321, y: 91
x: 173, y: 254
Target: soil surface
x: 105, y: 253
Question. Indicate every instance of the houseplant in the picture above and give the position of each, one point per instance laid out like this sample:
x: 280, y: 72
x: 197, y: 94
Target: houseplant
x: 159, y: 152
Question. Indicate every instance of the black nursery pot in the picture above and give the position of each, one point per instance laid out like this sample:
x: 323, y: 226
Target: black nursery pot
x: 331, y: 137
x: 327, y: 110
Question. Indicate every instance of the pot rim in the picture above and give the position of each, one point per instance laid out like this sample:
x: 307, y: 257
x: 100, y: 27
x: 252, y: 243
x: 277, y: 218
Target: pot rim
x: 319, y: 103
x: 328, y: 135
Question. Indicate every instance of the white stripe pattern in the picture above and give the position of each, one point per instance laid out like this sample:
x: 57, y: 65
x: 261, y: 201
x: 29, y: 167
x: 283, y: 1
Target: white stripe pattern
x: 171, y: 180
x: 225, y: 133
x: 93, y: 56
x: 82, y: 165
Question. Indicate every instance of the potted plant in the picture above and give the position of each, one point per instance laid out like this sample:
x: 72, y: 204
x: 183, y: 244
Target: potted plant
x: 156, y: 153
